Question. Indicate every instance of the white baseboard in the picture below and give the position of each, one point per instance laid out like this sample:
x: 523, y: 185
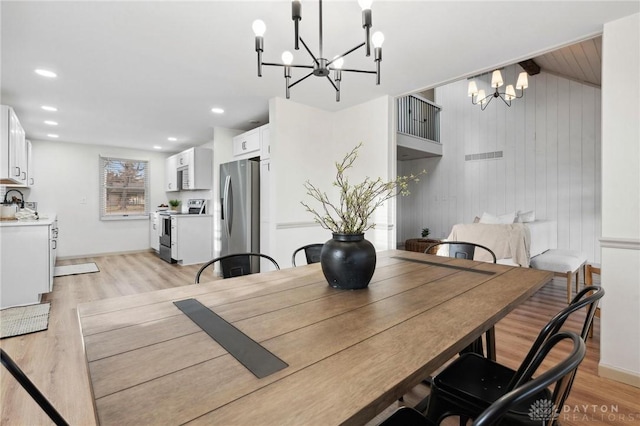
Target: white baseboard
x: 622, y: 376
x: 103, y: 254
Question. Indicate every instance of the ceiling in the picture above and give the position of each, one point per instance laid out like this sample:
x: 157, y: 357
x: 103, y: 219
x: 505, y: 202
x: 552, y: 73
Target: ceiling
x: 132, y: 74
x: 581, y: 61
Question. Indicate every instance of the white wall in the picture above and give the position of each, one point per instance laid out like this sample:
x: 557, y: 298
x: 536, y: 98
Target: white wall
x: 620, y: 241
x: 67, y: 174
x: 305, y: 144
x: 551, y: 145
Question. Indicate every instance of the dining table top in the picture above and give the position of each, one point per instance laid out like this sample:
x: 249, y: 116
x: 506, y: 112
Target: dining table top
x: 347, y: 354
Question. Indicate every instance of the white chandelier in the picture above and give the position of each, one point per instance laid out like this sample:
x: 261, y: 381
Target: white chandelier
x: 322, y: 67
x: 479, y: 96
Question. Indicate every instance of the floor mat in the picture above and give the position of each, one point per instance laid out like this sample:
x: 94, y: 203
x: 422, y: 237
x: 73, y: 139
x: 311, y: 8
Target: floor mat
x: 82, y: 268
x: 24, y: 320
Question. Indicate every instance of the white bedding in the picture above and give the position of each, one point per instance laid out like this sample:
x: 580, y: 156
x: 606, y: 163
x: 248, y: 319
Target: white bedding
x: 541, y: 237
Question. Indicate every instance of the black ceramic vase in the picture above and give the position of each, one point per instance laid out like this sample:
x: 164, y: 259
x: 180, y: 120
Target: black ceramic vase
x: 348, y: 261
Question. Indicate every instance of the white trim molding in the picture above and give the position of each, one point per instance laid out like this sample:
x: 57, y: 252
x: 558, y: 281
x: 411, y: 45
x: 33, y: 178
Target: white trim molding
x: 619, y: 375
x: 620, y: 243
x: 292, y: 225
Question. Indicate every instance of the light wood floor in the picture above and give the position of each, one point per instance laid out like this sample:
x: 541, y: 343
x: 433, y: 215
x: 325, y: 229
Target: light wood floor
x: 54, y: 359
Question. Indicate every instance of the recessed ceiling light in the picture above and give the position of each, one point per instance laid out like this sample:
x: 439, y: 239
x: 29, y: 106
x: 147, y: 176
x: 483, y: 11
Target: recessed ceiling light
x: 217, y: 110
x: 51, y: 122
x: 49, y: 108
x: 172, y: 139
x: 157, y: 147
x: 46, y: 73
x: 52, y: 135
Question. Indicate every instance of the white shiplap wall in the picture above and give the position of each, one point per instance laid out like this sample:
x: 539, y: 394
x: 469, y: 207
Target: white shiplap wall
x: 551, y: 145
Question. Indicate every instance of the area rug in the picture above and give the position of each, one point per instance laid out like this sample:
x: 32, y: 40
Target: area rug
x: 81, y: 268
x: 24, y: 320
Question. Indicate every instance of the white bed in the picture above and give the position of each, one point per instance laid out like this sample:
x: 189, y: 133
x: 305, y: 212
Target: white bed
x: 514, y: 244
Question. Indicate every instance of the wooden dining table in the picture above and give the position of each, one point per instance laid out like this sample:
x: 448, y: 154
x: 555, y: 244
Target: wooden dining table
x: 347, y: 355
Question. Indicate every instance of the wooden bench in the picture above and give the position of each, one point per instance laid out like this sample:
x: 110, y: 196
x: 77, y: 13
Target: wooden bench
x: 562, y: 262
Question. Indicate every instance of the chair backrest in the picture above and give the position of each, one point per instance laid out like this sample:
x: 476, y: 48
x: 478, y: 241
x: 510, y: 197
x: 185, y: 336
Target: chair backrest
x: 587, y: 298
x: 561, y: 374
x: 28, y: 385
x: 462, y: 249
x: 311, y: 252
x: 237, y: 264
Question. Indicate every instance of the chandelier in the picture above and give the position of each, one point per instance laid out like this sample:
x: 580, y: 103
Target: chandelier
x: 479, y: 96
x: 321, y: 67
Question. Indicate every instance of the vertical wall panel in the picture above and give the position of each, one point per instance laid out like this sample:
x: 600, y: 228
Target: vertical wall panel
x: 575, y: 165
x: 551, y: 145
x: 564, y: 161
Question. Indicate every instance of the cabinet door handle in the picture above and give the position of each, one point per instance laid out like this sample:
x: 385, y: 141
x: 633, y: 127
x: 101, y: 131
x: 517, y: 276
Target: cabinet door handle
x: 169, y: 185
x: 31, y: 181
x: 24, y: 175
x: 154, y: 226
x: 55, y: 244
x: 17, y: 171
x: 244, y: 145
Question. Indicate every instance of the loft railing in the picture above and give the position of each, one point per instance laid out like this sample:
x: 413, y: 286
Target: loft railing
x: 419, y: 117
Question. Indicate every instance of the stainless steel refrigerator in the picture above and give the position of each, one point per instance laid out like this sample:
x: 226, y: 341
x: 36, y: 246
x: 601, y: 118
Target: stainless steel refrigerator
x: 240, y: 207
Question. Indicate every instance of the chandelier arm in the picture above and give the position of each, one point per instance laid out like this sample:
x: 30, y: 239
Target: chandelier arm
x: 483, y: 106
x: 360, y: 71
x: 507, y: 103
x: 346, y: 53
x: 273, y: 64
x: 301, y: 79
x: 309, y: 51
x: 333, y: 84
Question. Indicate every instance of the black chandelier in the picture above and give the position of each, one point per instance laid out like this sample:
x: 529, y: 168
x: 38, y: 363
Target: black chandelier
x: 321, y: 67
x: 479, y: 96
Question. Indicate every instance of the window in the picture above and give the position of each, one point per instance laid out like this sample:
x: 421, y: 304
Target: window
x: 124, y: 188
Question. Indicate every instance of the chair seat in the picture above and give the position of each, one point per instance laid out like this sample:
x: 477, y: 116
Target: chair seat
x: 567, y: 262
x: 561, y: 261
x: 481, y: 381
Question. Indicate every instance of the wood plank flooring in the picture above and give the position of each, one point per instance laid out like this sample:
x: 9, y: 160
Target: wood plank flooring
x: 54, y: 359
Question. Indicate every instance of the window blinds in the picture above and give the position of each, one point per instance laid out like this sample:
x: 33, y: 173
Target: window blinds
x: 124, y: 188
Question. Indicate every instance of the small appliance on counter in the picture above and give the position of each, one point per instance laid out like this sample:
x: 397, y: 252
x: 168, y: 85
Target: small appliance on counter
x: 197, y: 206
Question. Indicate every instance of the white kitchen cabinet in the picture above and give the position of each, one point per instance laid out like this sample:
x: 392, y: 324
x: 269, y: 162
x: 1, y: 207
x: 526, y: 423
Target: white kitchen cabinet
x: 28, y: 260
x: 171, y: 174
x: 13, y: 149
x: 191, y: 238
x: 246, y: 143
x: 154, y: 231
x: 31, y: 179
x: 267, y: 229
x: 265, y: 147
x: 189, y: 170
x: 195, y: 166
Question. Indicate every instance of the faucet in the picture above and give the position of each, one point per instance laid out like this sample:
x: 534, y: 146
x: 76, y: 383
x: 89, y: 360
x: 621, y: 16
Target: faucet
x: 21, y: 197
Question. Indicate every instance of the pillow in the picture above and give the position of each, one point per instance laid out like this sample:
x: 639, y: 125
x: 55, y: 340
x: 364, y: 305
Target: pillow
x: 525, y: 217
x: 502, y: 219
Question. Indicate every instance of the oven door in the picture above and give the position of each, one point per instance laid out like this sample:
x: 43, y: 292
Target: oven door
x: 165, y: 235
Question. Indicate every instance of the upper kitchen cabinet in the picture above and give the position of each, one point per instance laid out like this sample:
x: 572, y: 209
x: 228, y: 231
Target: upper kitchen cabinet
x: 247, y: 143
x: 190, y: 170
x: 252, y: 144
x: 171, y: 173
x: 13, y: 149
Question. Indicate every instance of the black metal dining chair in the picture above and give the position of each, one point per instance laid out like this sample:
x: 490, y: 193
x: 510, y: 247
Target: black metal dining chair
x: 521, y: 402
x: 465, y: 250
x: 462, y: 249
x: 31, y: 389
x: 471, y: 383
x: 311, y: 252
x: 237, y: 264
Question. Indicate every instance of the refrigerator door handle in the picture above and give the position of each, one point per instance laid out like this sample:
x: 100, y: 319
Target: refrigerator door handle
x: 227, y: 207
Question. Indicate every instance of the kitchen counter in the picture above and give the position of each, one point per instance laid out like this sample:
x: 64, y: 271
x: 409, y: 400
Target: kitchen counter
x: 45, y: 220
